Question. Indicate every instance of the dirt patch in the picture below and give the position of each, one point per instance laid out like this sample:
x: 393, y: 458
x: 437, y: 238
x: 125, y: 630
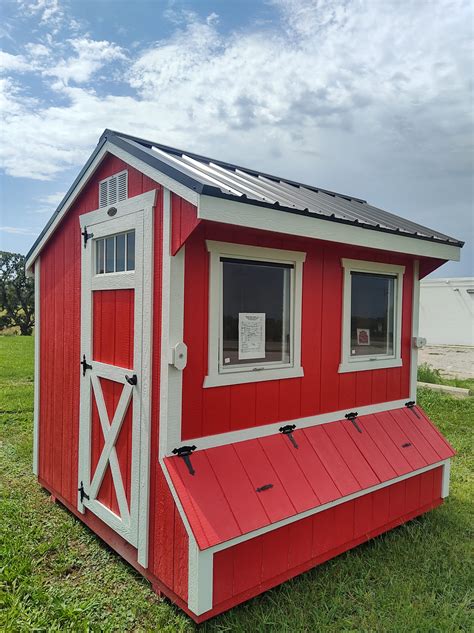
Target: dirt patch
x: 452, y: 361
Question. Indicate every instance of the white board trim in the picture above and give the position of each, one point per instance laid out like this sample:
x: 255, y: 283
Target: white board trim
x: 265, y: 219
x: 36, y: 414
x: 415, y: 321
x: 231, y: 437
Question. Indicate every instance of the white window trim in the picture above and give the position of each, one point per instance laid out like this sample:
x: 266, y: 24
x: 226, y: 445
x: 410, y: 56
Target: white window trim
x: 348, y: 363
x: 241, y: 375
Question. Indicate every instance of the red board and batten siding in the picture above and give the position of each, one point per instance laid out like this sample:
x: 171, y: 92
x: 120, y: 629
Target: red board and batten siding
x: 322, y: 389
x: 59, y: 384
x: 242, y: 571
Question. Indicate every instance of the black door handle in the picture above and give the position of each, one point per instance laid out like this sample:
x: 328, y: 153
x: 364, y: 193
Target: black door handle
x: 132, y: 380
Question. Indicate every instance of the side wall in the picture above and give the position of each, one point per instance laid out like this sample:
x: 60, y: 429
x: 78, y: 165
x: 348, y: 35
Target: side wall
x: 60, y: 281
x: 322, y: 389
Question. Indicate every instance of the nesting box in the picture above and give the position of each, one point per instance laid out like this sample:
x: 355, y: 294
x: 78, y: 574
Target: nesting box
x: 226, y: 370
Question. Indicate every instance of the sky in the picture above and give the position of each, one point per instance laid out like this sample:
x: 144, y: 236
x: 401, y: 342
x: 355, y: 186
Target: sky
x: 372, y: 98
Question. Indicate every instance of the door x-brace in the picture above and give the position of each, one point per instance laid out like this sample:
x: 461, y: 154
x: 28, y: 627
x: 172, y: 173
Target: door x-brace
x: 110, y: 431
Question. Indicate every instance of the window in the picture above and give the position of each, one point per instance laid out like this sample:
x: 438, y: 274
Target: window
x: 113, y: 189
x: 254, y: 314
x: 115, y: 253
x: 371, y: 327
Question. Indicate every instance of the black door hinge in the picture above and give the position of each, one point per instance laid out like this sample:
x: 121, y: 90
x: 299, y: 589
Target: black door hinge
x: 411, y: 405
x: 352, y: 418
x: 288, y: 431
x: 132, y: 380
x: 86, y: 236
x: 83, y: 493
x: 85, y: 365
x: 185, y: 452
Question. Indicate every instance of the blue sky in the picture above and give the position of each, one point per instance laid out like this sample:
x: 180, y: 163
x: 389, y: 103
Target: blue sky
x: 366, y: 97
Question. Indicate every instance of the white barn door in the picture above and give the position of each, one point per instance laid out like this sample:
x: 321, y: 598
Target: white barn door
x: 116, y: 300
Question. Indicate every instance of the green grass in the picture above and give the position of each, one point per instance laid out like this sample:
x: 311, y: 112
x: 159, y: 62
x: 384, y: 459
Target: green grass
x: 56, y: 575
x: 427, y: 373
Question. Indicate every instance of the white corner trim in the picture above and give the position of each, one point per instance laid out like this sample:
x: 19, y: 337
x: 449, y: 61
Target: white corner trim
x: 326, y: 506
x: 146, y: 391
x: 415, y: 321
x: 259, y: 372
x: 265, y: 219
x: 231, y: 437
x: 445, y: 479
x: 200, y: 578
x: 36, y: 416
x: 172, y: 331
x: 364, y: 363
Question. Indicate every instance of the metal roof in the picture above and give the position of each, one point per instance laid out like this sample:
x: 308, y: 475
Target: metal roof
x: 212, y: 177
x: 220, y: 179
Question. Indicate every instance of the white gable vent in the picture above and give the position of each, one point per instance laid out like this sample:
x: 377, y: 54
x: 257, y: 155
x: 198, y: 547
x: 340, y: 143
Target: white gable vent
x: 113, y: 189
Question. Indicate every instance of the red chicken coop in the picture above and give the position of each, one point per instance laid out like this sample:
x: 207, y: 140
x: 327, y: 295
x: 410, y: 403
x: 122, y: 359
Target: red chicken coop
x: 226, y: 367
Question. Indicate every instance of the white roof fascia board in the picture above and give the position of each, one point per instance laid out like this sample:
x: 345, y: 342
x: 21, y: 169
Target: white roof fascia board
x: 265, y: 219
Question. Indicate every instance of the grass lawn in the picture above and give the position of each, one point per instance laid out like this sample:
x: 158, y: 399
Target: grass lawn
x: 56, y: 575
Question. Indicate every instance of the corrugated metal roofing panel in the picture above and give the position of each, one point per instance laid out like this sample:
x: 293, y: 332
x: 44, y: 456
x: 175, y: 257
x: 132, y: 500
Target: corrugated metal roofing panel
x: 248, y: 185
x: 238, y: 488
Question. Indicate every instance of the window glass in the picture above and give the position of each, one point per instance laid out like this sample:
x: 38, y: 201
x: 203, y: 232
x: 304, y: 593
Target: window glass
x: 110, y: 255
x: 114, y: 253
x: 120, y: 252
x: 256, y: 312
x: 99, y: 266
x: 372, y: 314
x: 131, y: 250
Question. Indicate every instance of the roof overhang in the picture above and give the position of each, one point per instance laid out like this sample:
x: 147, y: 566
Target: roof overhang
x: 106, y: 146
x: 216, y: 206
x: 303, y: 224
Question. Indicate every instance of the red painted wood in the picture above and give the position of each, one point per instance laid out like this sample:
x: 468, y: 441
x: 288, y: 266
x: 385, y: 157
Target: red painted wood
x: 183, y: 221
x: 314, y: 471
x: 283, y: 553
x: 368, y: 448
x: 237, y: 487
x: 351, y: 455
x: 260, y: 471
x: 279, y: 450
x: 401, y: 440
x: 400, y: 416
x: 332, y: 460
x: 208, y: 411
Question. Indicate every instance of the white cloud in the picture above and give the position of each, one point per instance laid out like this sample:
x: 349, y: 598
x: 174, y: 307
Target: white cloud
x: 12, y: 63
x: 17, y: 230
x: 90, y: 56
x: 48, y: 11
x: 371, y: 98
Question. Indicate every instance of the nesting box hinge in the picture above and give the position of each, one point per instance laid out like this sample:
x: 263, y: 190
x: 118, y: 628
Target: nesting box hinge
x: 83, y: 493
x: 411, y: 405
x: 86, y: 236
x: 185, y: 452
x: 288, y: 431
x: 352, y: 417
x: 85, y: 365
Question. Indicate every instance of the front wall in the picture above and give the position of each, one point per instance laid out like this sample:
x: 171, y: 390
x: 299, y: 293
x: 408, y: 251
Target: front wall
x: 247, y: 569
x: 322, y: 389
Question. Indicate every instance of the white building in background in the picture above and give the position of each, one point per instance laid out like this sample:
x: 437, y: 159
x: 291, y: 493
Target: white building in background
x: 447, y: 311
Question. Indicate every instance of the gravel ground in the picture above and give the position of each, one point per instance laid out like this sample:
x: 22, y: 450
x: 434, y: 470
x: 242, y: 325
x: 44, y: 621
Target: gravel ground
x: 451, y: 361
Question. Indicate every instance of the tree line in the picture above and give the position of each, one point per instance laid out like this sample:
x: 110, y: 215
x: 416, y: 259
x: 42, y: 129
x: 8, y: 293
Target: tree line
x: 17, y: 294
